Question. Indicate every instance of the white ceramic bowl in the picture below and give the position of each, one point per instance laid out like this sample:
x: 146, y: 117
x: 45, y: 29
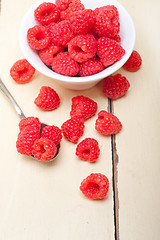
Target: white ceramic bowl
x: 127, y: 34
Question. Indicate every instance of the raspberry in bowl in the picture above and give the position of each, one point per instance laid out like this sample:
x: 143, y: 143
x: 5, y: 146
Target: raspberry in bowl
x: 71, y: 38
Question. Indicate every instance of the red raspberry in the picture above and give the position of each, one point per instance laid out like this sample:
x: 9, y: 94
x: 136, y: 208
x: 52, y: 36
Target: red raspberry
x: 65, y: 65
x: 47, y: 99
x: 53, y: 133
x: 29, y: 121
x: 82, y: 47
x: 95, y: 186
x: 115, y: 86
x: 90, y: 67
x: 26, y: 139
x: 38, y: 37
x: 73, y: 129
x: 134, y: 62
x: 61, y: 33
x: 107, y: 123
x: 109, y: 8
x: 82, y: 21
x: 64, y: 4
x: 47, y: 54
x: 44, y: 149
x: 46, y: 13
x: 83, y: 107
x: 109, y: 51
x: 117, y: 38
x: 107, y: 22
x: 22, y: 71
x: 88, y: 150
x: 72, y: 8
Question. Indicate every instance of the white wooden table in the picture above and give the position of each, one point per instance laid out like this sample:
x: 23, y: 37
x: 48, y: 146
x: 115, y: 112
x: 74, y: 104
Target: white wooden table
x: 43, y: 201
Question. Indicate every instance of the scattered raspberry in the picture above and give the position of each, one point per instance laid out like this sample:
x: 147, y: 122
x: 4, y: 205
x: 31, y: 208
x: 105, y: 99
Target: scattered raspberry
x: 64, y: 4
x: 134, y: 62
x: 61, y: 33
x: 107, y: 123
x: 107, y: 22
x: 90, y: 67
x: 53, y: 133
x: 82, y: 21
x: 47, y: 99
x: 26, y: 139
x: 95, y: 186
x: 22, y: 71
x: 44, y: 149
x: 109, y: 51
x: 38, y: 37
x: 65, y: 65
x: 115, y: 86
x: 72, y: 8
x: 82, y: 47
x: 29, y: 121
x: 73, y: 129
x: 88, y: 150
x: 47, y: 54
x: 83, y: 107
x: 46, y: 13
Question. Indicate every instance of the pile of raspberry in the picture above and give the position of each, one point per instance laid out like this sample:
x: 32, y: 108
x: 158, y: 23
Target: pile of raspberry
x: 75, y: 41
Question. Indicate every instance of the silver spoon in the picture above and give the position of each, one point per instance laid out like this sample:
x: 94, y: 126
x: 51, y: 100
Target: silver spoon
x: 20, y: 112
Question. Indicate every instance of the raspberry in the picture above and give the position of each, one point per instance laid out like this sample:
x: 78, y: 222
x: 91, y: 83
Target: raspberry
x: 95, y: 186
x: 117, y: 38
x: 73, y: 129
x: 90, y: 67
x: 83, y: 107
x: 46, y: 13
x: 115, y: 86
x: 47, y: 99
x: 72, y: 8
x: 38, y: 37
x: 64, y: 4
x: 109, y: 51
x: 47, y: 54
x: 44, y: 149
x: 134, y: 62
x: 22, y: 71
x: 107, y: 22
x: 107, y: 123
x: 82, y: 21
x: 65, y: 65
x: 26, y: 139
x: 88, y: 150
x: 53, y: 133
x: 29, y: 121
x: 82, y: 47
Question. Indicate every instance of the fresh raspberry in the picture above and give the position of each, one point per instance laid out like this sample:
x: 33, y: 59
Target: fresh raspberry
x: 38, y: 37
x: 109, y: 8
x: 90, y: 67
x: 64, y: 4
x: 134, y: 62
x: 29, y: 121
x: 72, y: 8
x: 107, y: 22
x: 44, y: 149
x: 65, y: 65
x: 88, y: 150
x: 53, y: 133
x: 22, y: 71
x: 95, y: 186
x: 115, y: 86
x: 82, y: 21
x: 49, y: 28
x: 46, y: 13
x: 61, y: 33
x: 107, y: 123
x: 82, y: 47
x: 117, y: 38
x: 72, y: 129
x: 83, y: 107
x: 47, y: 99
x: 47, y: 54
x: 109, y: 51
x: 26, y: 139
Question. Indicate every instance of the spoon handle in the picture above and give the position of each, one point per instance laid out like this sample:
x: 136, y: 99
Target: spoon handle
x: 12, y: 100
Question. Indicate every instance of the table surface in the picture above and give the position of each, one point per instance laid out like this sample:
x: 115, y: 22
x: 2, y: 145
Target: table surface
x: 43, y: 201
